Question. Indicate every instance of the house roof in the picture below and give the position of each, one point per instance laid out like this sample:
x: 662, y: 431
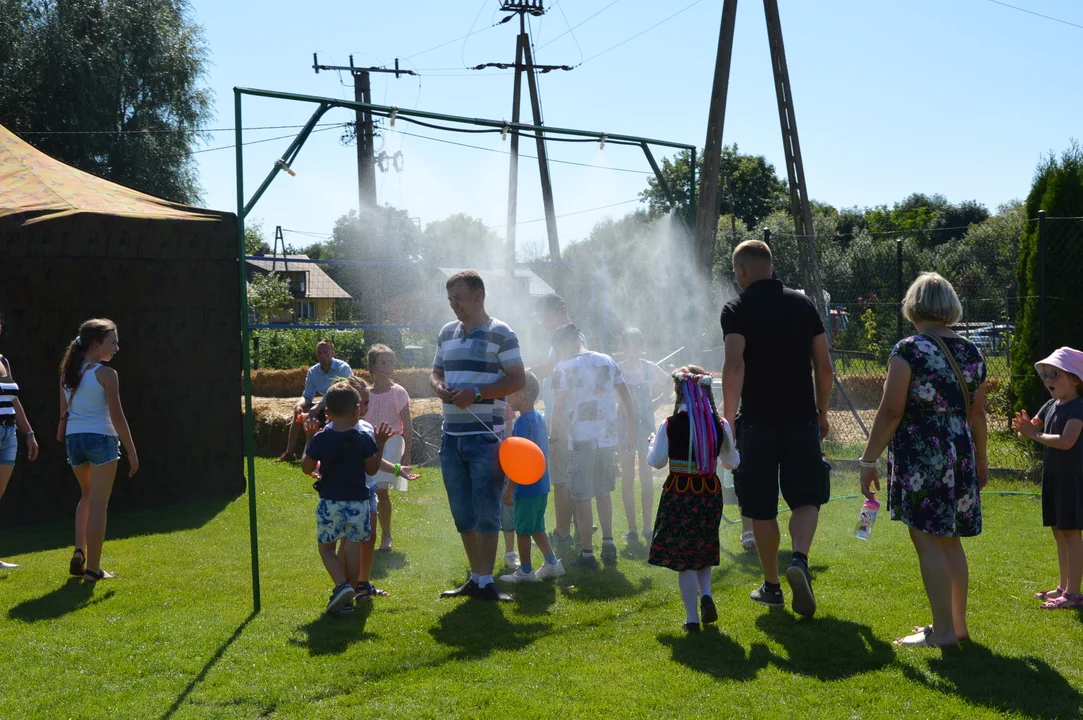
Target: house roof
x: 39, y: 187
x: 536, y: 287
x: 319, y: 285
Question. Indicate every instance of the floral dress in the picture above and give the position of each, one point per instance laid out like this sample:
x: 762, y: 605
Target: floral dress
x: 933, y: 477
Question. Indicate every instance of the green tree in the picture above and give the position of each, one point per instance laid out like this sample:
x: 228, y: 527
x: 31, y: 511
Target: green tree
x: 255, y: 241
x: 750, y: 188
x: 461, y: 241
x: 268, y: 295
x: 1057, y: 189
x: 113, y: 88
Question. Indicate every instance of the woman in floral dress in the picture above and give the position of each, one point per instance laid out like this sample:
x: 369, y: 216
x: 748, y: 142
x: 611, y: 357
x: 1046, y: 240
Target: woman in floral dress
x: 937, y: 459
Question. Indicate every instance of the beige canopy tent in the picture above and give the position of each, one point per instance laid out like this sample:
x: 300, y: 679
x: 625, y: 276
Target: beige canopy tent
x: 75, y: 246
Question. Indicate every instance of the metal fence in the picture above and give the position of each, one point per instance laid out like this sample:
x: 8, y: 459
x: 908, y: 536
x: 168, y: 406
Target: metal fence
x: 865, y: 276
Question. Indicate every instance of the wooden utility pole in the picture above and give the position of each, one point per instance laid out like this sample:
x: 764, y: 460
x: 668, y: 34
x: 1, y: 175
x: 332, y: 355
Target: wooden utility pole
x: 363, y: 128
x: 524, y: 63
x: 706, y: 228
x: 795, y: 168
x: 707, y: 210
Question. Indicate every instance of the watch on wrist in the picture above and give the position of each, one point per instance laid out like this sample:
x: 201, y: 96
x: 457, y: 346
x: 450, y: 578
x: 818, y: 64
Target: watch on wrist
x: 477, y: 395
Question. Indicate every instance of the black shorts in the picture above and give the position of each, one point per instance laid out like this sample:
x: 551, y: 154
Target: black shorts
x: 778, y: 456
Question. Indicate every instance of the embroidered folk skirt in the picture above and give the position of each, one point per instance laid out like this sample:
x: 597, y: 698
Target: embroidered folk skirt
x: 686, y: 528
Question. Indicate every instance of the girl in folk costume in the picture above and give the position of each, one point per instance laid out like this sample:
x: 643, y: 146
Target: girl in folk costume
x: 685, y: 538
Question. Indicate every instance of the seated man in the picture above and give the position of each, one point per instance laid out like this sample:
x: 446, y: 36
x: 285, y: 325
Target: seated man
x: 326, y: 372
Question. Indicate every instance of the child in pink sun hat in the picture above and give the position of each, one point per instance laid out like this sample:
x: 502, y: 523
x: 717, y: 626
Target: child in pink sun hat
x: 1057, y: 426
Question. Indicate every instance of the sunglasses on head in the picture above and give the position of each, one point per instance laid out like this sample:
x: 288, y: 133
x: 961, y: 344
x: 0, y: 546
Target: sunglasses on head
x: 1049, y: 375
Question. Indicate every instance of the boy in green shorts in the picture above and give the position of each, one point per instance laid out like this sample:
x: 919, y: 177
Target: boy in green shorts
x: 529, y: 501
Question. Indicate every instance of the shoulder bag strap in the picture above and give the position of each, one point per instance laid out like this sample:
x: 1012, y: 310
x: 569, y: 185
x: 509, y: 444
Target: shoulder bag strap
x: 954, y: 367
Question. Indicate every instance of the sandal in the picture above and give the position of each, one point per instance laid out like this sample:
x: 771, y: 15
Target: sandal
x: 367, y: 591
x: 92, y: 576
x: 385, y: 546
x: 77, y: 566
x: 1049, y: 594
x: 919, y: 639
x: 929, y: 628
x: 748, y: 540
x: 1064, y: 602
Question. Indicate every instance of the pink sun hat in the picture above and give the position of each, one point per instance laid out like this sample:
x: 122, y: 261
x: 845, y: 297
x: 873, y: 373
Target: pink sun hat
x: 1067, y: 359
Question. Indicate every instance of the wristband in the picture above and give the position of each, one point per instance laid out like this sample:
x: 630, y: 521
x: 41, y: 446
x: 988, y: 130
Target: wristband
x: 28, y: 433
x: 866, y: 464
x: 397, y: 468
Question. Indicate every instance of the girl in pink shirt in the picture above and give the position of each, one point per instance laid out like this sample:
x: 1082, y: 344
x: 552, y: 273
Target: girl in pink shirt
x: 390, y: 403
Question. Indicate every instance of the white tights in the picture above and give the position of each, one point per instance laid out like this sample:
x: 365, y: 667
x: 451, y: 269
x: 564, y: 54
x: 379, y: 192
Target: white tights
x: 694, y: 583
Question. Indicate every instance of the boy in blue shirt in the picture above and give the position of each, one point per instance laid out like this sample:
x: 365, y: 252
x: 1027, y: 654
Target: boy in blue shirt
x: 529, y: 501
x: 345, y: 455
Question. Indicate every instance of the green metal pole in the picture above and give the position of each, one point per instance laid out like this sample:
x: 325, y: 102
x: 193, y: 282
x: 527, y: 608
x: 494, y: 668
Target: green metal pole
x: 249, y: 440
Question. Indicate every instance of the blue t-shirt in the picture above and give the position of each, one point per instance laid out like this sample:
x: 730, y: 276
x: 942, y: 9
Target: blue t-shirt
x: 317, y: 382
x: 531, y: 426
x: 342, y: 457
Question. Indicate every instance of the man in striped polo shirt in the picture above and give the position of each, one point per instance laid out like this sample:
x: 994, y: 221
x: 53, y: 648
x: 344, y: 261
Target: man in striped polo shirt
x: 478, y: 363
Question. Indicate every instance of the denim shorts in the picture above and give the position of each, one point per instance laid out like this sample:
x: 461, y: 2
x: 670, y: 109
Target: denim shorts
x: 342, y: 518
x: 92, y: 448
x: 507, y: 512
x: 9, y: 444
x: 473, y: 480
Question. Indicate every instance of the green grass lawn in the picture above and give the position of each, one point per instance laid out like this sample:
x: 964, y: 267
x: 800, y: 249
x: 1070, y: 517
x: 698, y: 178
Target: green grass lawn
x: 174, y: 637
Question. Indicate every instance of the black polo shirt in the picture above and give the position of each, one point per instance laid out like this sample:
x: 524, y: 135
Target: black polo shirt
x: 778, y: 325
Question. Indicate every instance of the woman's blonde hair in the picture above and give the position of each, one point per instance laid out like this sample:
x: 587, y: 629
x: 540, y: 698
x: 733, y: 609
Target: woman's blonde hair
x: 931, y: 298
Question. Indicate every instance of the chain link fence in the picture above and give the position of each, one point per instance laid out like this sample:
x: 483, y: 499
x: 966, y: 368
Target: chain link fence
x: 1014, y: 319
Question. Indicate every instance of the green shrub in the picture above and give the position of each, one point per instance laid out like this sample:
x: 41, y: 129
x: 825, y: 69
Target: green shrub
x: 283, y: 349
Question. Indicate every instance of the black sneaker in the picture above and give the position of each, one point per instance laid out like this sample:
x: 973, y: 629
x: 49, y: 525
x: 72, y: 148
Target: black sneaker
x: 492, y: 593
x: 765, y: 596
x: 468, y: 589
x: 340, y: 597
x: 804, y: 600
x: 587, y: 562
x: 631, y: 536
x: 560, y: 541
x: 347, y: 608
x: 707, y: 610
x: 609, y: 553
x: 691, y: 627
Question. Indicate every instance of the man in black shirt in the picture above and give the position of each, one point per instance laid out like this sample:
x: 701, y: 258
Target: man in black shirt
x: 775, y: 345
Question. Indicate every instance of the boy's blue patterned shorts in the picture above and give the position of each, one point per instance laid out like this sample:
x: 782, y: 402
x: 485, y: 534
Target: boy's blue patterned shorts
x: 342, y: 518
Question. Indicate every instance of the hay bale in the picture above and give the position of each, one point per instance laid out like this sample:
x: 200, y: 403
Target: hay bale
x: 287, y: 383
x: 415, y: 381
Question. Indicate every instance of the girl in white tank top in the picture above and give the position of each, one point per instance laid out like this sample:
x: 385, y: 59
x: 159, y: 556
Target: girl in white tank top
x: 93, y: 427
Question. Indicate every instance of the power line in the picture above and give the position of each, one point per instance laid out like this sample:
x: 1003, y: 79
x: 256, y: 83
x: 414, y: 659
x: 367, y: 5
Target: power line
x: 643, y: 32
x: 1038, y: 14
x: 532, y: 157
x: 577, y: 212
x: 330, y: 126
x: 573, y: 27
x: 159, y: 132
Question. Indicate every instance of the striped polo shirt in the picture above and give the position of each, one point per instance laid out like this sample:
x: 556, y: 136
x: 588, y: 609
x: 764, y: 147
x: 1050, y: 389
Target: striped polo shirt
x: 470, y: 361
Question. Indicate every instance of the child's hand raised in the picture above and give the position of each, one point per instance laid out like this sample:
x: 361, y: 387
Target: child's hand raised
x: 383, y: 434
x: 311, y: 426
x: 1026, y: 426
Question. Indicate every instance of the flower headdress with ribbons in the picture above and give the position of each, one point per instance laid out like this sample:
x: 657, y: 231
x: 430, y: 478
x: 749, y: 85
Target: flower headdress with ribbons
x: 703, y: 433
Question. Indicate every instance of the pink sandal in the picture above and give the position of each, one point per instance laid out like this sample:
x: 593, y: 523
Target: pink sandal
x: 1049, y: 594
x: 1064, y: 602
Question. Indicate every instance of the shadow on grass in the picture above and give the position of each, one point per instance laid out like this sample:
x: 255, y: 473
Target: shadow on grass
x: 1027, y: 686
x: 385, y: 562
x: 158, y: 520
x: 825, y: 648
x: 475, y: 629
x: 535, y: 598
x: 73, y: 595
x: 714, y: 653
x: 333, y: 634
x: 600, y: 585
x: 635, y: 550
x: 207, y: 668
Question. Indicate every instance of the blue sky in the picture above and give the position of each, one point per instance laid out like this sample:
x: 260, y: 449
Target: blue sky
x: 959, y: 97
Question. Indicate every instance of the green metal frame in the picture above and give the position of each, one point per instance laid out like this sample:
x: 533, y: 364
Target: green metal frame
x: 323, y: 105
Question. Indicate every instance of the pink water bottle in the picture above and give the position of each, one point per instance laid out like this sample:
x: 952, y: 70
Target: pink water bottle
x: 867, y: 518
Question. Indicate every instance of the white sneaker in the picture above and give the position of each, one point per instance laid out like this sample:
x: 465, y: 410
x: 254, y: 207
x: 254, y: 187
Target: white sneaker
x: 511, y: 560
x: 547, y: 571
x: 520, y: 576
x: 7, y: 565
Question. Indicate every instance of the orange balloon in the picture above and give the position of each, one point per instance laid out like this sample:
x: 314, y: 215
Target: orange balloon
x: 522, y: 461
